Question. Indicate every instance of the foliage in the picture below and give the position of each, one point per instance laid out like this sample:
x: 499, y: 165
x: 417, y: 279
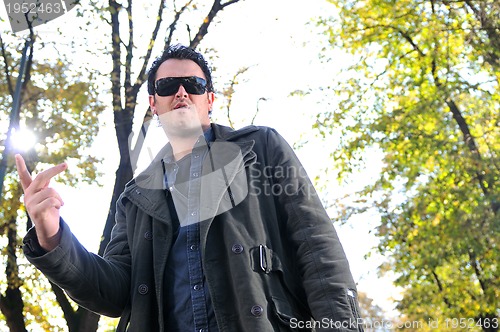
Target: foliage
x: 423, y: 89
x: 60, y: 106
x: 373, y: 316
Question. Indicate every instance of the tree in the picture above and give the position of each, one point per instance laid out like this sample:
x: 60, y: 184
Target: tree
x: 60, y: 106
x: 423, y: 90
x: 125, y: 87
x: 129, y: 57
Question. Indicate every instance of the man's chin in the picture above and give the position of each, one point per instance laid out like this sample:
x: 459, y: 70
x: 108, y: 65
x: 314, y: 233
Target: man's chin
x: 183, y: 129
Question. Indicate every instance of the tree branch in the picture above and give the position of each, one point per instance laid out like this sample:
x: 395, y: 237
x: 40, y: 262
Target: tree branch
x: 69, y: 313
x: 408, y: 38
x: 217, y: 6
x: 229, y: 3
x: 257, y: 109
x: 441, y: 289
x: 229, y: 91
x: 116, y: 56
x: 129, y: 47
x: 492, y: 30
x: 29, y: 61
x: 7, y: 71
x: 173, y: 25
x: 471, y: 144
x: 141, y: 77
x: 467, y: 135
x: 477, y: 270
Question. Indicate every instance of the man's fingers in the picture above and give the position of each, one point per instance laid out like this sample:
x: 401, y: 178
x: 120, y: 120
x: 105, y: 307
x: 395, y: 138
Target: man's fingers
x: 22, y: 170
x: 50, y: 202
x: 44, y: 194
x: 42, y: 179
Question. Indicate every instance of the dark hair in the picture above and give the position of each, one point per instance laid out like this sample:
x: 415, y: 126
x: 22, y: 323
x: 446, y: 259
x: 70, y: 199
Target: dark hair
x: 183, y: 53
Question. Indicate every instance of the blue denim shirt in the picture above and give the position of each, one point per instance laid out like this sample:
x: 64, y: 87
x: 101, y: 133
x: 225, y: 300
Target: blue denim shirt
x: 188, y: 305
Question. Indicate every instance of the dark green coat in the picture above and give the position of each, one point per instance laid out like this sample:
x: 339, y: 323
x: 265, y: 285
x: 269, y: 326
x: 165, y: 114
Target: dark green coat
x: 271, y: 256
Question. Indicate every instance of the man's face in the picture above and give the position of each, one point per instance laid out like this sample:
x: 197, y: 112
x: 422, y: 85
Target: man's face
x: 182, y: 114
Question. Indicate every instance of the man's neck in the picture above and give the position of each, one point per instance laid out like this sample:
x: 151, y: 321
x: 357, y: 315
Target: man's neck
x: 183, y: 145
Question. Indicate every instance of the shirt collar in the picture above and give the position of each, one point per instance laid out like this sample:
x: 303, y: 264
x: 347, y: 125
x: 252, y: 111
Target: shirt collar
x: 207, y: 137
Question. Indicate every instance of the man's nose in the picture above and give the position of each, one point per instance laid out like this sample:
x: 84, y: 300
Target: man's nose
x: 181, y: 93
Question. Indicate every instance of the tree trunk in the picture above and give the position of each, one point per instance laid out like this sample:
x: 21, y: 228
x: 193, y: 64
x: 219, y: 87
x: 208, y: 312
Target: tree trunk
x: 11, y: 304
x: 124, y: 173
x: 88, y: 320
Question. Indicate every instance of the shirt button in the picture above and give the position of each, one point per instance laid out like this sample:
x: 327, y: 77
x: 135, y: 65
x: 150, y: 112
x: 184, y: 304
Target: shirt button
x: 193, y: 247
x: 171, y: 188
x: 195, y: 175
x: 257, y: 310
x: 143, y: 289
x: 237, y: 248
x: 193, y: 213
x: 148, y: 235
x: 197, y: 287
x: 196, y: 156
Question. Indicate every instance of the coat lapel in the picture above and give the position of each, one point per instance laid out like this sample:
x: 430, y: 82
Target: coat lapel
x: 224, y: 182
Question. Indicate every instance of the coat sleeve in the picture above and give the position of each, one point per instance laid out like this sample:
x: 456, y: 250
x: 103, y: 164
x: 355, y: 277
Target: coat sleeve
x: 321, y: 261
x: 99, y: 284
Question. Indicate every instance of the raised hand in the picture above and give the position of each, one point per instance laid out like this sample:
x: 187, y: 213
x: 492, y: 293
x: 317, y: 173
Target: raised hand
x: 42, y: 203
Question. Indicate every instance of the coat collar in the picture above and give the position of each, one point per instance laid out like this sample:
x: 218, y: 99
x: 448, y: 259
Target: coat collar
x: 229, y: 134
x: 147, y: 189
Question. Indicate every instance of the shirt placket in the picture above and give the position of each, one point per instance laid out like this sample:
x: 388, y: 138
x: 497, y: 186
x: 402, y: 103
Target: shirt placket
x: 198, y: 297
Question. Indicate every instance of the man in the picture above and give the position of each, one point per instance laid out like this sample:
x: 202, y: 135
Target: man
x: 222, y: 232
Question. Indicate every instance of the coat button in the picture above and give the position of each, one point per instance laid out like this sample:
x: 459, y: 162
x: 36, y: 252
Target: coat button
x: 148, y: 235
x: 257, y: 310
x: 237, y: 248
x: 143, y: 289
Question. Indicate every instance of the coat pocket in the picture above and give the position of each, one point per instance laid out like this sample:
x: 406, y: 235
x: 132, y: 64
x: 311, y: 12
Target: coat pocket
x: 289, y: 319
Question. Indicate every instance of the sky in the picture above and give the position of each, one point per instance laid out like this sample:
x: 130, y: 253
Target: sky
x: 280, y: 43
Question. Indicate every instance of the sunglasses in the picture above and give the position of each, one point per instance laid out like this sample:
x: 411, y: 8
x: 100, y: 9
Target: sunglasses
x: 168, y: 86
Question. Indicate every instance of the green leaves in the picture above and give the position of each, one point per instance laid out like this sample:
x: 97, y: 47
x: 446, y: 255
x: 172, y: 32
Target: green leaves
x: 426, y: 92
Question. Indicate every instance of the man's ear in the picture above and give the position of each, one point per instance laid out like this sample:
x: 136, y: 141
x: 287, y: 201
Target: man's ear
x: 211, y: 99
x: 152, y: 101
